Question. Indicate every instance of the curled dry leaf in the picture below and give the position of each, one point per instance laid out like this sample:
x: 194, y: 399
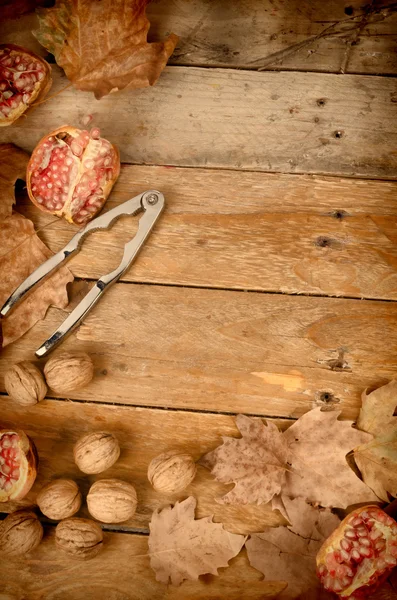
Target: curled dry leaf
x: 13, y: 163
x: 21, y: 252
x: 102, y: 46
x: 256, y: 463
x: 289, y: 553
x: 182, y: 548
x: 377, y: 460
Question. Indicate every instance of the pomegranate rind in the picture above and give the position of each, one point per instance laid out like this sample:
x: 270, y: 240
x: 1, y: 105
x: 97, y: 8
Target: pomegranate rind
x: 360, y: 588
x: 41, y: 88
x: 65, y: 211
x: 28, y: 467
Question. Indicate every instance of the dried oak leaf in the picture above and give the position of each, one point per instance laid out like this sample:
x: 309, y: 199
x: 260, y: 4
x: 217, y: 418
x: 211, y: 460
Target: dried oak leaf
x: 102, y: 46
x: 13, y: 163
x: 256, y: 462
x: 21, y: 252
x: 317, y: 448
x: 288, y: 553
x: 377, y: 460
x: 181, y: 548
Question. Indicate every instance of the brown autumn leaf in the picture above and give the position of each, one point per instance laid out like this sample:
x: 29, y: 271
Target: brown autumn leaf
x: 377, y: 460
x: 288, y: 554
x: 317, y: 446
x: 13, y: 163
x: 102, y: 46
x: 21, y: 252
x: 182, y: 548
x: 308, y: 460
x: 256, y: 462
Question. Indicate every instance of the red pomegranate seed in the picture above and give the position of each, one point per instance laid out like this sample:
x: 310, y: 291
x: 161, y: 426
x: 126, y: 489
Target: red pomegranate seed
x: 350, y: 534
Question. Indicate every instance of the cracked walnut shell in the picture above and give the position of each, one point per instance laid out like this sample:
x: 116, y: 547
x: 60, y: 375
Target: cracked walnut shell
x: 68, y: 371
x: 59, y: 499
x: 172, y: 472
x: 25, y: 384
x: 112, y: 501
x: 96, y: 452
x: 80, y: 538
x: 20, y: 533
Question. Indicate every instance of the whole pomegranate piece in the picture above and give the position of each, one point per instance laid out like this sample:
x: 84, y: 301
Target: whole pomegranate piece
x: 24, y: 78
x: 71, y: 172
x: 360, y: 554
x: 18, y: 464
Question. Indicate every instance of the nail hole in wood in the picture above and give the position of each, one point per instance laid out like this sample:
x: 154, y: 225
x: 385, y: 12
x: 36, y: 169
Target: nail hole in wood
x: 338, y: 134
x: 323, y: 242
x: 326, y: 400
x: 321, y: 102
x: 349, y: 11
x: 339, y: 214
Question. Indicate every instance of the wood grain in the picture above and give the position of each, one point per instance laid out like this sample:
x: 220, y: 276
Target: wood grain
x: 250, y: 231
x: 121, y: 572
x: 290, y: 35
x: 274, y: 122
x: 143, y: 434
x: 225, y: 351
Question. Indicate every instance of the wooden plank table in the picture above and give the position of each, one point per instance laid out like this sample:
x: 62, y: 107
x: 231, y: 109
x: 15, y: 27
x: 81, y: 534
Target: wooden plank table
x: 268, y: 287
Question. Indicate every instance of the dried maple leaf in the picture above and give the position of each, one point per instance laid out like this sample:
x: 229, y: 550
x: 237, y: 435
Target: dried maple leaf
x: 308, y: 460
x: 256, y: 462
x: 21, y: 252
x: 317, y: 446
x: 102, y: 46
x: 13, y: 163
x: 288, y: 553
x: 182, y: 548
x: 377, y: 460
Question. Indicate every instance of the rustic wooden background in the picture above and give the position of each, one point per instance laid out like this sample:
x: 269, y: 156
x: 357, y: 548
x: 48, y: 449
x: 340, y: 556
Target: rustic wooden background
x: 268, y: 287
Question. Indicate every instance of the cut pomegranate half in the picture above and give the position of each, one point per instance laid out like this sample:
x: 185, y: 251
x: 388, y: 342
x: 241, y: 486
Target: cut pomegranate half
x: 24, y: 78
x: 18, y: 464
x: 360, y: 554
x: 71, y: 172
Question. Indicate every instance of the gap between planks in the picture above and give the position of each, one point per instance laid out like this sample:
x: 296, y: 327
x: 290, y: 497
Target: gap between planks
x: 168, y: 408
x: 266, y: 122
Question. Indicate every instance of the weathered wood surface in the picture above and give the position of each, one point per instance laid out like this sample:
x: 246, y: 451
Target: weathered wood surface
x: 276, y: 122
x: 121, y: 572
x: 228, y: 351
x: 296, y: 35
x: 251, y: 231
x: 143, y: 433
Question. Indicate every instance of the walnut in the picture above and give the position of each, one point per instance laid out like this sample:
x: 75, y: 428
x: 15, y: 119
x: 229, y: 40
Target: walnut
x: 59, y: 499
x: 112, y: 500
x: 171, y: 472
x: 80, y: 538
x: 20, y: 533
x: 96, y: 452
x: 25, y: 384
x: 68, y: 371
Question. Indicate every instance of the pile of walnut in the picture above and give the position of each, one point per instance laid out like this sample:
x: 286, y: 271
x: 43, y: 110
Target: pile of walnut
x: 64, y: 373
x: 108, y: 500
